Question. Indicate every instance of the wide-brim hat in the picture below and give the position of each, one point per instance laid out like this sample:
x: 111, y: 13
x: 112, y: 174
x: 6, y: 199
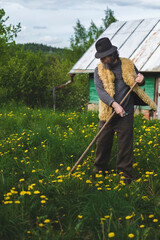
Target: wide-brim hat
x: 104, y: 48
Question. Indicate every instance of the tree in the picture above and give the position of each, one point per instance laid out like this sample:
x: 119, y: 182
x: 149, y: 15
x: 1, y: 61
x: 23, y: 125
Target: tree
x: 109, y: 18
x: 78, y: 42
x: 83, y: 38
x: 93, y: 33
x: 7, y: 34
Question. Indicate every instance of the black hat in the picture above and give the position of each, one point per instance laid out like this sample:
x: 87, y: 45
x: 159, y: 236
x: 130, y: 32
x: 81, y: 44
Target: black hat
x: 104, y: 48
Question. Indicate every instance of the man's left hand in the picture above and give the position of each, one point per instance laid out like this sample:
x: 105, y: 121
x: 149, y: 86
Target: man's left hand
x: 140, y: 78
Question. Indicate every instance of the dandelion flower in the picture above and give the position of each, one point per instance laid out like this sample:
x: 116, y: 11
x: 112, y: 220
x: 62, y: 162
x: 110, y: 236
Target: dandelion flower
x: 131, y: 235
x: 142, y: 226
x: 21, y: 180
x: 111, y: 234
x: 128, y: 217
x: 80, y: 216
x: 37, y: 192
x: 47, y: 221
x: 151, y: 216
x: 42, y: 196
x: 88, y: 181
x: 155, y: 220
x: 22, y: 193
x: 40, y: 224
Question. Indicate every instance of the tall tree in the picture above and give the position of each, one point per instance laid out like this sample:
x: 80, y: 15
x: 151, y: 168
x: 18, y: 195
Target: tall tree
x: 7, y: 33
x: 109, y: 18
x: 83, y: 39
x: 78, y: 42
x: 93, y: 33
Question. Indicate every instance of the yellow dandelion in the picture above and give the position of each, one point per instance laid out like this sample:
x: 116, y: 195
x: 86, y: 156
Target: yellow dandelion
x: 88, y: 181
x: 80, y: 216
x: 131, y: 235
x: 42, y: 196
x: 21, y: 180
x: 17, y: 202
x: 28, y: 192
x: 141, y: 226
x: 128, y: 217
x: 155, y: 220
x: 37, y: 192
x: 47, y: 221
x: 7, y: 198
x: 22, y: 193
x: 40, y: 224
x: 111, y: 234
x: 151, y: 216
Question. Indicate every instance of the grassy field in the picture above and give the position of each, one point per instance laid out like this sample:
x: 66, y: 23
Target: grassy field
x: 40, y: 199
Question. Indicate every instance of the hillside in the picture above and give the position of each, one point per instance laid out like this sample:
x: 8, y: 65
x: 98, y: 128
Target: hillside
x: 35, y: 47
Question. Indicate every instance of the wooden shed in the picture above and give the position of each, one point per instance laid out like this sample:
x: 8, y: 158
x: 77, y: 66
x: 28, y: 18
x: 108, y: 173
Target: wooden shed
x: 137, y: 40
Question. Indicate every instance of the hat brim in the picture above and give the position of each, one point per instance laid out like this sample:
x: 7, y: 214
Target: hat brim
x: 106, y: 53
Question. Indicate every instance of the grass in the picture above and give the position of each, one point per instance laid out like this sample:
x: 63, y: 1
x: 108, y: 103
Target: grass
x: 40, y: 199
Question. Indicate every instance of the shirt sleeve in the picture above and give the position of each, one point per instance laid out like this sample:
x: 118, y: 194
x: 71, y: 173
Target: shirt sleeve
x: 140, y: 84
x: 103, y: 95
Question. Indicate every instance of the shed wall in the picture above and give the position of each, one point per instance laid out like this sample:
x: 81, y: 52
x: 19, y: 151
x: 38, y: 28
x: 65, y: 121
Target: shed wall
x: 148, y: 88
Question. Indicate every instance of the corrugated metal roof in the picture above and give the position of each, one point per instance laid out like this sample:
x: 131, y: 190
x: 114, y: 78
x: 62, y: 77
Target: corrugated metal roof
x: 138, y: 40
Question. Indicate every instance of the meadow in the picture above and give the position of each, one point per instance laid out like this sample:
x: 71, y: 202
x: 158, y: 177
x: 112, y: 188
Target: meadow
x: 40, y: 199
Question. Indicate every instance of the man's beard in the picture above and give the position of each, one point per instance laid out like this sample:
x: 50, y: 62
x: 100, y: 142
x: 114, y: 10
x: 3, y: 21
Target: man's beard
x: 105, y: 65
x: 109, y: 65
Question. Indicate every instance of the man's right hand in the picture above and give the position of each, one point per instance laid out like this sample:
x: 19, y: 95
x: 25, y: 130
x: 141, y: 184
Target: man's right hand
x: 118, y: 109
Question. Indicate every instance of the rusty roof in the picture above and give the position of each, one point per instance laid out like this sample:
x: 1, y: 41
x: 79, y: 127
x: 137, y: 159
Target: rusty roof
x: 137, y: 40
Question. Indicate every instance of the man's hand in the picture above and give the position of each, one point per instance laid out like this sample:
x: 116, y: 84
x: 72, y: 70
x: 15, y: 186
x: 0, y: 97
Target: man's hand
x: 118, y: 109
x: 140, y: 78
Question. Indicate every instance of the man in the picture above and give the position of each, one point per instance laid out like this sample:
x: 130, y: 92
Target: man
x: 113, y: 78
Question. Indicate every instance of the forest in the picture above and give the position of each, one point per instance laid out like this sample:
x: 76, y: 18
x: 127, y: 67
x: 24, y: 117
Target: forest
x: 29, y: 72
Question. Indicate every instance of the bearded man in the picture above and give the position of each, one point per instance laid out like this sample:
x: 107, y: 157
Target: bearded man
x: 113, y: 77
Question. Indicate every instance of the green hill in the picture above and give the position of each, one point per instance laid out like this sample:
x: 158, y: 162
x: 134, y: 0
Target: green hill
x: 35, y: 47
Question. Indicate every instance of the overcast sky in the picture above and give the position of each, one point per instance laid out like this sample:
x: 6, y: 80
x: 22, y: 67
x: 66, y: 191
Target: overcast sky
x: 51, y: 22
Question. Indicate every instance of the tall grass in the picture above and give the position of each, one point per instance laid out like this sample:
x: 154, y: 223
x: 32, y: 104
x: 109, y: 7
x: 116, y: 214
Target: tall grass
x: 39, y: 197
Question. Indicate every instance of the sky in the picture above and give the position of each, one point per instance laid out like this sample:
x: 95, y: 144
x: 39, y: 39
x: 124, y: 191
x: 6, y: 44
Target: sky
x: 52, y: 22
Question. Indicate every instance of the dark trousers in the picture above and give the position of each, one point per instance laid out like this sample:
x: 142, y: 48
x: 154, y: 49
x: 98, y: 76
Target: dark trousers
x: 124, y: 128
